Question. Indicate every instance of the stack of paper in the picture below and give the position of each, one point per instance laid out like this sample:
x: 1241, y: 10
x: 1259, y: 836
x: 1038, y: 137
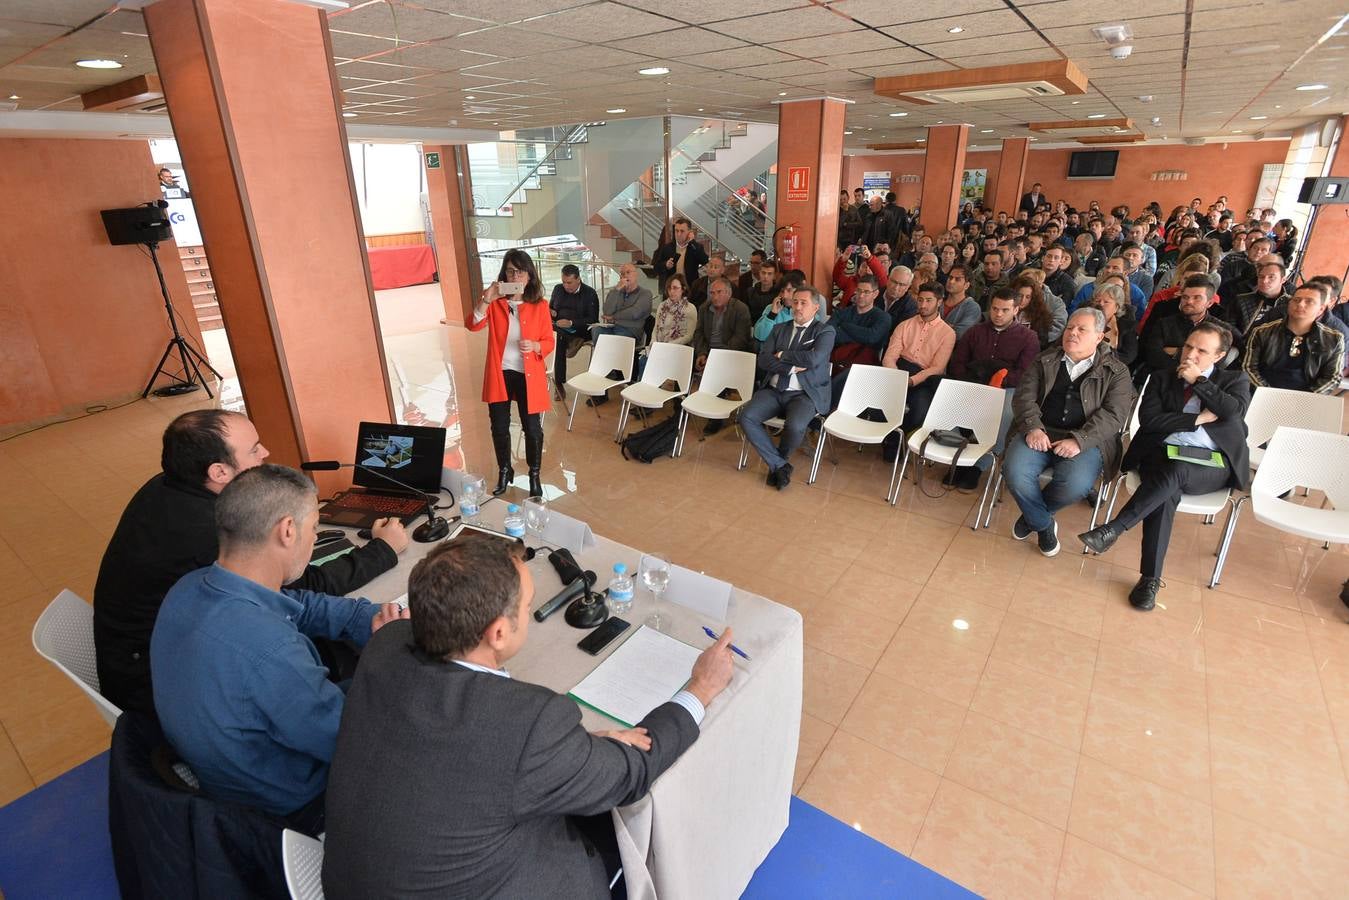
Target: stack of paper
x: 646, y: 671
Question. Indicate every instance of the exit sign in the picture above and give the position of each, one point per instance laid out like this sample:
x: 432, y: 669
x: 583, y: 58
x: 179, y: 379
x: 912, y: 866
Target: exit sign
x: 798, y: 182
x: 433, y: 160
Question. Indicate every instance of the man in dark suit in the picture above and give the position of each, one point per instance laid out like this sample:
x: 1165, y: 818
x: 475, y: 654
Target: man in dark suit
x: 451, y: 779
x: 796, y: 358
x: 1200, y: 409
x: 1031, y: 200
x: 682, y: 256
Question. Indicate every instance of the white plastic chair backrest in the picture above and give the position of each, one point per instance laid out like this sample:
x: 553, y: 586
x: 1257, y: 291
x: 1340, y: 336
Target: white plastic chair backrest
x: 877, y: 387
x: 977, y: 407
x: 669, y: 361
x: 302, y: 858
x: 550, y: 361
x: 1274, y: 407
x: 64, y: 636
x: 1300, y: 457
x: 613, y: 351
x: 1134, y: 423
x: 728, y: 369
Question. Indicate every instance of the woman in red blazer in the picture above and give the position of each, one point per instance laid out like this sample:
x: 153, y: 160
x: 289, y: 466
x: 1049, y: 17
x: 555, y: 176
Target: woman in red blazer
x: 519, y: 339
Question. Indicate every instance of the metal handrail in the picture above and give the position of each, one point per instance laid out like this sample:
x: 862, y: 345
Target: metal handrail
x: 734, y: 192
x: 568, y: 141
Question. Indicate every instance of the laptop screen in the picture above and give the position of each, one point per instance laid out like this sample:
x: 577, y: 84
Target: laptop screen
x: 412, y: 454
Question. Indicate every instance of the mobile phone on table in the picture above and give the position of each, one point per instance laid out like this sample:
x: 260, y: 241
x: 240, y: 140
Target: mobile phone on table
x: 601, y: 637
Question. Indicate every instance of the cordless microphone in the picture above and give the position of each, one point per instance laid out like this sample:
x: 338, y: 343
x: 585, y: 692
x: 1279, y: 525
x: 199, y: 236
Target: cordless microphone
x: 579, y: 586
x: 433, y: 529
x: 566, y: 566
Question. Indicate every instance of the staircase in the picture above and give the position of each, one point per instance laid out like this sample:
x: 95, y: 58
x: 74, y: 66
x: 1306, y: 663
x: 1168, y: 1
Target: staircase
x: 201, y: 286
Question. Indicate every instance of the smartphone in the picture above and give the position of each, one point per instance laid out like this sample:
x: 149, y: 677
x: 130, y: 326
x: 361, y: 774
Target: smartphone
x: 510, y: 289
x: 601, y: 637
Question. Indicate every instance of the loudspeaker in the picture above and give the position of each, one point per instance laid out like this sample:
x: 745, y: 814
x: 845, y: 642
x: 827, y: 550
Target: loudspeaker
x: 137, y: 225
x: 1322, y: 191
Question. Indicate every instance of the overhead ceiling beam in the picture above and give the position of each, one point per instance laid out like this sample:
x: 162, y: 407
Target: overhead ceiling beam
x: 1063, y: 74
x: 1074, y: 124
x: 129, y: 94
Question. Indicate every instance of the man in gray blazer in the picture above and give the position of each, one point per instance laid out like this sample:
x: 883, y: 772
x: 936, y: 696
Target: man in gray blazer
x: 451, y: 779
x: 796, y: 358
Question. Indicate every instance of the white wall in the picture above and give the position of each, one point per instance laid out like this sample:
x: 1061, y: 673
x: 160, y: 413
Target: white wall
x: 389, y: 185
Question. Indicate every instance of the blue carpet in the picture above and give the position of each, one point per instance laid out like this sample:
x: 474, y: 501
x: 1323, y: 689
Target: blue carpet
x: 54, y: 840
x: 819, y: 857
x: 54, y: 843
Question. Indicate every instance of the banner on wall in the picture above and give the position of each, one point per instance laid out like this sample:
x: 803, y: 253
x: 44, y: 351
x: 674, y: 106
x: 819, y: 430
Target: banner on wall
x: 1268, y: 188
x: 182, y: 215
x: 972, y: 185
x: 875, y: 184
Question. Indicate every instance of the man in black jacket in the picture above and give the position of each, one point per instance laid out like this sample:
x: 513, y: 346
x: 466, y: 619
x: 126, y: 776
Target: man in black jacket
x: 575, y: 307
x: 168, y: 529
x: 453, y: 779
x: 1163, y: 341
x: 682, y: 256
x: 1192, y: 440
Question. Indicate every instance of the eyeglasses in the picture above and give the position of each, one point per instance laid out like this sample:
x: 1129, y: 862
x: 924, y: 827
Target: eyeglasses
x: 511, y: 271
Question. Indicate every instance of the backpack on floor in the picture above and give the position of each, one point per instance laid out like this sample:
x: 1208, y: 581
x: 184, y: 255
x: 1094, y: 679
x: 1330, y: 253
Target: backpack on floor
x: 652, y: 442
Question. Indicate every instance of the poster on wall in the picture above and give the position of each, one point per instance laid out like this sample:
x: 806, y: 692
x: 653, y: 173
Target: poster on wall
x: 182, y: 215
x: 972, y: 184
x: 875, y: 184
x: 1268, y: 188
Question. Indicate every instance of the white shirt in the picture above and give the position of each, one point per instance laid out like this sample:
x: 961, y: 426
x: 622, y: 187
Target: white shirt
x: 1077, y: 369
x: 1199, y: 437
x: 510, y: 356
x: 692, y: 705
x: 798, y: 335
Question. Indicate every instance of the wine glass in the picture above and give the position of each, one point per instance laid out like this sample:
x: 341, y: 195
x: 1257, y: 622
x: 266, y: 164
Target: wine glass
x: 536, y: 516
x: 656, y: 576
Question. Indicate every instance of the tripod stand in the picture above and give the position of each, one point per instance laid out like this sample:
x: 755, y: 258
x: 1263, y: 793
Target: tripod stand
x: 187, y: 354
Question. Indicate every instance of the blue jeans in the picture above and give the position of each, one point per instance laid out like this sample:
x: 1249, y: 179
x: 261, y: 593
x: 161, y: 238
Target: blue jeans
x: 987, y: 459
x: 1072, y: 480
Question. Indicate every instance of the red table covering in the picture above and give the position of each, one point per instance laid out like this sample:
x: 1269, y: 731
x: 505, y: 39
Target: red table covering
x: 395, y: 267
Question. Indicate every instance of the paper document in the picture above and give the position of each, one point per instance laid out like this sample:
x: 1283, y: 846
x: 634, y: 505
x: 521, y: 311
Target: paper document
x: 646, y: 671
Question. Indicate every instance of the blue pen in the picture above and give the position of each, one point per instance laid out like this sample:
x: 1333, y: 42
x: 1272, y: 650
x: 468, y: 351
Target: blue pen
x: 734, y: 649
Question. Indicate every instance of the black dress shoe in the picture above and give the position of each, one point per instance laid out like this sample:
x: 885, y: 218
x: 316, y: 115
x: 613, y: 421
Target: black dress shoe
x: 1144, y: 594
x: 772, y: 480
x: 1101, y: 538
x: 1344, y: 594
x: 965, y: 478
x: 784, y: 475
x: 504, y: 479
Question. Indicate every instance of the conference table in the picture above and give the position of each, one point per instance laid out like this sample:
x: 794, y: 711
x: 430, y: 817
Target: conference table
x: 711, y: 818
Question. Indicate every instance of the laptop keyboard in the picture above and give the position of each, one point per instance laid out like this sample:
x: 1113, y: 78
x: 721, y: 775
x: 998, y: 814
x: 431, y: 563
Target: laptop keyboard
x: 385, y: 504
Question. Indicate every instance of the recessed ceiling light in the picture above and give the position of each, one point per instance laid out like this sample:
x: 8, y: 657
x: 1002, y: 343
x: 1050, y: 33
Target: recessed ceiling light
x: 114, y: 64
x: 847, y: 132
x: 782, y: 93
x: 348, y: 115
x: 1258, y: 118
x: 14, y: 96
x: 1096, y: 116
x: 470, y: 97
x: 1075, y: 102
x: 616, y: 109
x: 1312, y: 87
x: 954, y: 29
x: 898, y: 115
x: 960, y: 625
x: 922, y: 140
x: 700, y: 109
x: 985, y: 130
x: 1236, y: 131
x: 1145, y: 98
x: 654, y: 70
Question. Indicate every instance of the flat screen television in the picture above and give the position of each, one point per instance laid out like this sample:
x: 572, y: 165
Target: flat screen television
x: 1093, y: 164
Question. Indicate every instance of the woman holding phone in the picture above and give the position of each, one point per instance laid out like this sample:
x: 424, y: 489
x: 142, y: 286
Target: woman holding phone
x: 519, y: 339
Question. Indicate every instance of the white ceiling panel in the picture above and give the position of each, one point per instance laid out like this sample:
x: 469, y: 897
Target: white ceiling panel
x: 405, y: 23
x: 602, y: 22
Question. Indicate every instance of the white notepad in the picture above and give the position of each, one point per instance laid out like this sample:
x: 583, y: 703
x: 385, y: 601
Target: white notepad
x: 646, y: 671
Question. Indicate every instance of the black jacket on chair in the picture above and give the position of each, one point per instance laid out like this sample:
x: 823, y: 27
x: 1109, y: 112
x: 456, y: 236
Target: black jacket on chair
x: 1227, y: 393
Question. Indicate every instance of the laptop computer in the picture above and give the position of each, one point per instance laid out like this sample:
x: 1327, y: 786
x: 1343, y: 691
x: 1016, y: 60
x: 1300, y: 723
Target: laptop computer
x: 412, y: 454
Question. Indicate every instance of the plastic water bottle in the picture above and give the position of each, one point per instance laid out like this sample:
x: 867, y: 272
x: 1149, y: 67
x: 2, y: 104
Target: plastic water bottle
x: 470, y: 497
x: 515, y: 522
x: 620, y: 590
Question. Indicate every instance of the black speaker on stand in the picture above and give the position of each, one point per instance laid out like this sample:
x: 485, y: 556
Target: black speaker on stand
x: 147, y: 226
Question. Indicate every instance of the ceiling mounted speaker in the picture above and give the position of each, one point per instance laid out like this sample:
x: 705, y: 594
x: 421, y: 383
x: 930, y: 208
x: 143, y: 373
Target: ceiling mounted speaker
x: 1195, y: 142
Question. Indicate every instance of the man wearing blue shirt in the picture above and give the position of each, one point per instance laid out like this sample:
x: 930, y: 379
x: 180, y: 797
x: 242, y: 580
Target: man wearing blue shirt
x: 239, y: 688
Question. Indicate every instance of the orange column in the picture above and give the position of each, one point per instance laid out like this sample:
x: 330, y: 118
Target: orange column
x: 256, y: 111
x: 942, y: 167
x: 1005, y: 192
x: 447, y: 185
x: 1327, y: 250
x: 810, y: 165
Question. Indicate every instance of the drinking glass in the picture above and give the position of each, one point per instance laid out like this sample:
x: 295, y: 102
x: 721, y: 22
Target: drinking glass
x: 536, y: 516
x: 471, y: 492
x: 656, y: 576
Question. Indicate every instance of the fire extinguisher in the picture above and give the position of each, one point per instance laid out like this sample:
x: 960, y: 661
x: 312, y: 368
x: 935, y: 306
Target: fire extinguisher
x: 787, y: 253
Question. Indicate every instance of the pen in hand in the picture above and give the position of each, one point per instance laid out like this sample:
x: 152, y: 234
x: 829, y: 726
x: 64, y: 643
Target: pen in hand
x: 716, y: 637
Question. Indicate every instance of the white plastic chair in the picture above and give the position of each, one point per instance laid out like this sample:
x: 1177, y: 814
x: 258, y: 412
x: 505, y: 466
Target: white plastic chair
x: 867, y: 387
x: 64, y: 636
x: 302, y: 858
x: 732, y: 369
x: 612, y: 351
x: 664, y: 362
x: 977, y: 407
x: 1272, y: 408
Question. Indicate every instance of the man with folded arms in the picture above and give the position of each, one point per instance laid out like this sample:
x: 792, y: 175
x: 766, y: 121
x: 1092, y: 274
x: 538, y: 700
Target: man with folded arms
x: 239, y: 688
x: 452, y: 779
x: 796, y: 357
x: 1066, y: 417
x: 168, y: 529
x: 1191, y: 440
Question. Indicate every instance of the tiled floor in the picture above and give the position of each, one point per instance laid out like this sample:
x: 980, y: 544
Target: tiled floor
x: 1061, y: 744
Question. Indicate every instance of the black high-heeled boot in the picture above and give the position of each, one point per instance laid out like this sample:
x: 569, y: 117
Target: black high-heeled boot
x: 501, y: 443
x: 534, y: 457
x: 504, y: 479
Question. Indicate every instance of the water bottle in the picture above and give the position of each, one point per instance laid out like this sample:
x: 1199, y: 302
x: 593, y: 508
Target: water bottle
x: 515, y: 522
x: 620, y: 590
x: 470, y: 497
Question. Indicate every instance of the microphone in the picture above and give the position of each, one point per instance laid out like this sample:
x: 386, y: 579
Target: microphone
x: 579, y: 586
x: 567, y: 568
x: 433, y: 529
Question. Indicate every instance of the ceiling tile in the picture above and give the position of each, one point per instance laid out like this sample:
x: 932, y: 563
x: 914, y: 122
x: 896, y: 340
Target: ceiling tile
x: 1061, y: 13
x: 402, y: 22
x: 697, y: 12
x: 851, y: 42
x: 602, y: 21
x: 738, y: 57
x: 687, y: 40
x: 976, y: 25
x: 498, y: 11
x: 771, y: 28
x: 66, y: 12
x: 887, y: 12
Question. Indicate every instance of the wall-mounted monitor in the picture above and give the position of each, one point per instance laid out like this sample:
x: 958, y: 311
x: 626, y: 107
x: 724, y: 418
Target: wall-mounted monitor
x: 1093, y: 164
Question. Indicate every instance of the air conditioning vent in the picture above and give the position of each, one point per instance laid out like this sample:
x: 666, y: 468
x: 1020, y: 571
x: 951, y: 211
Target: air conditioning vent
x: 1195, y: 142
x: 986, y: 92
